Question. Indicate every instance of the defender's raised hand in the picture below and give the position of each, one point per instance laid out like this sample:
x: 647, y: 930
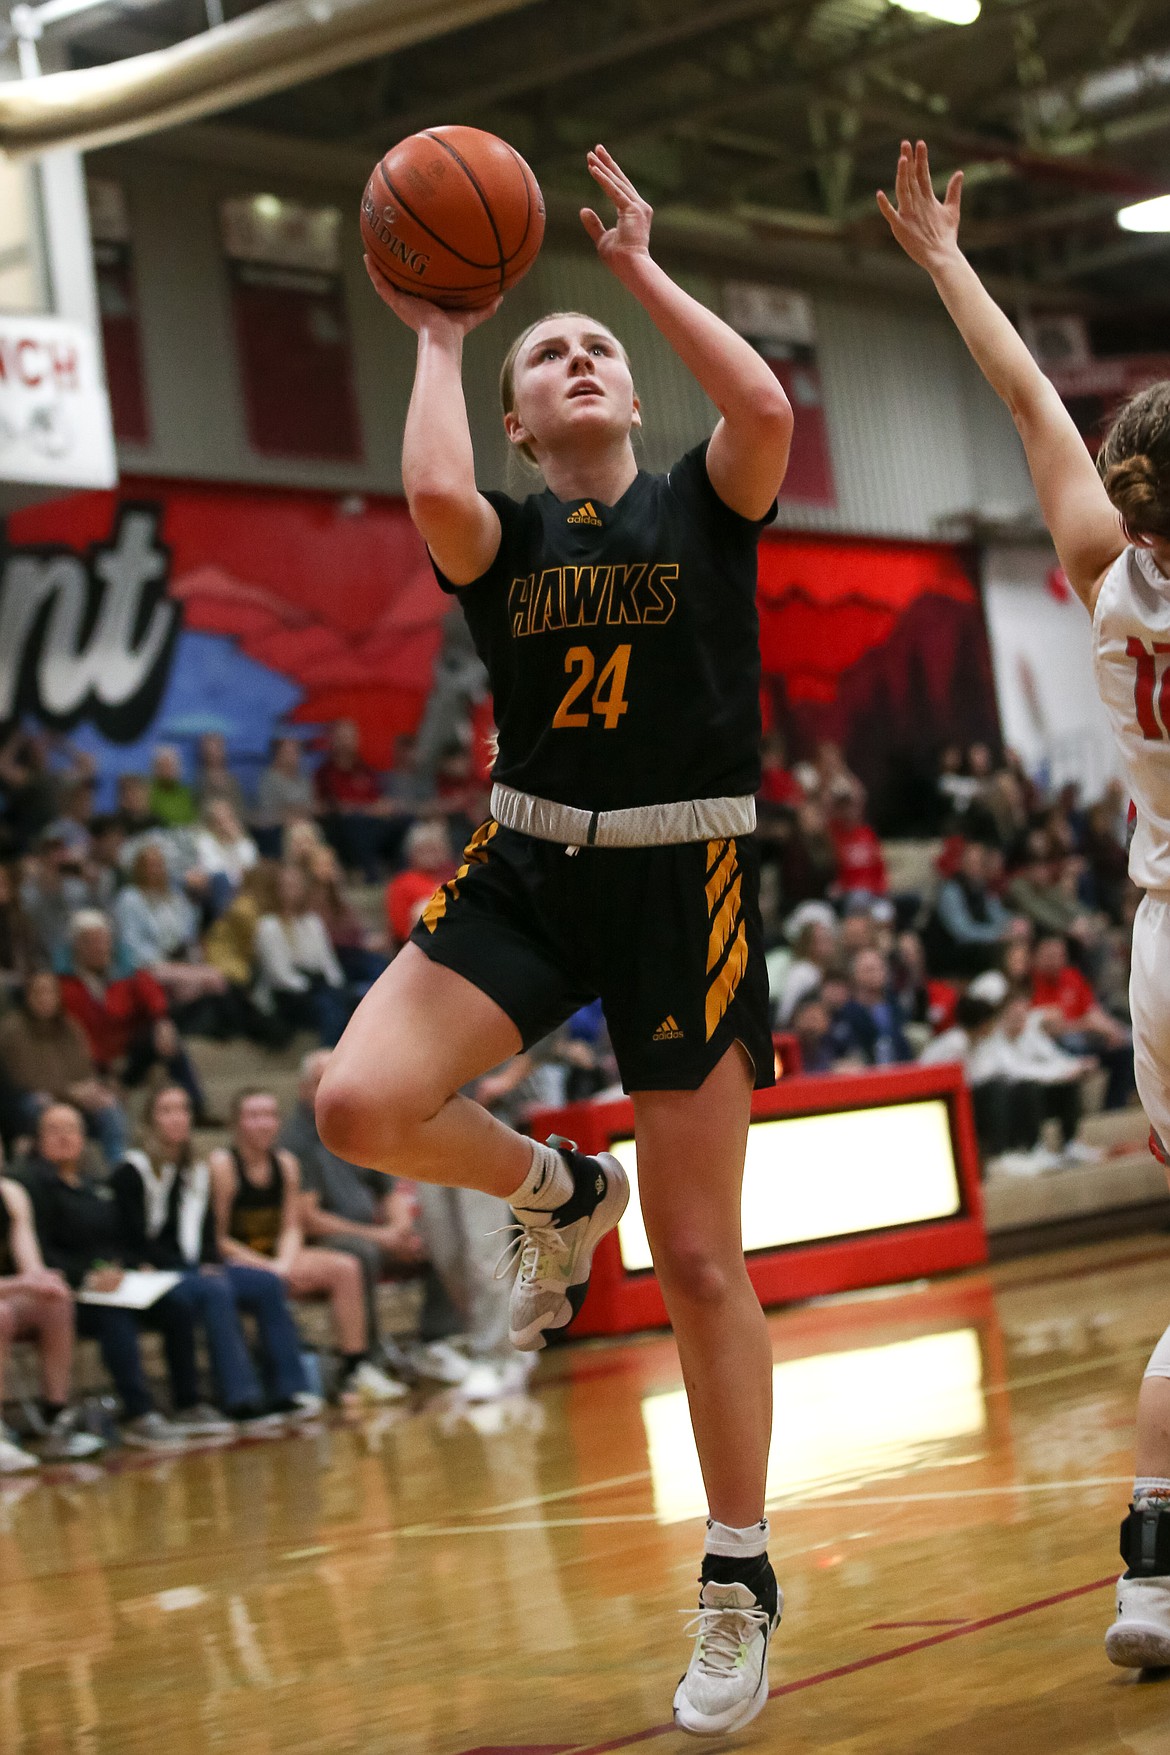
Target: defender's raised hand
x: 630, y: 235
x: 926, y: 228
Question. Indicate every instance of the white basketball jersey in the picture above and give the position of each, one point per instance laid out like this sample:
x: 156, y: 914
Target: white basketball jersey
x: 1131, y: 656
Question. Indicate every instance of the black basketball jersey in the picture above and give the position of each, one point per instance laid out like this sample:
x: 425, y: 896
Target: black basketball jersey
x: 622, y: 643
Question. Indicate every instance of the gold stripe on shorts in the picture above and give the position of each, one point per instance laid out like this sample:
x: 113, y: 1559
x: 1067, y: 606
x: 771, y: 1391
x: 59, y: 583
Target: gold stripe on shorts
x: 475, y: 853
x: 727, y: 927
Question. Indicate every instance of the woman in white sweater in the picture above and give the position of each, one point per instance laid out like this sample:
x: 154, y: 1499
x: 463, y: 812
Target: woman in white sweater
x: 298, y: 975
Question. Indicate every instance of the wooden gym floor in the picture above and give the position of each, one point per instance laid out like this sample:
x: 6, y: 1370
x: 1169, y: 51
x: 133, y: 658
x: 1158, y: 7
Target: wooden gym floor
x: 951, y: 1463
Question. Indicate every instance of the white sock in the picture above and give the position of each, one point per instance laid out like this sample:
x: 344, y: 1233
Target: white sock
x: 548, y: 1184
x: 736, y: 1544
x: 1151, y: 1487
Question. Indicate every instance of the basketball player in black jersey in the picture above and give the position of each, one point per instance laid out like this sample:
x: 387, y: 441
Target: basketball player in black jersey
x: 616, y: 614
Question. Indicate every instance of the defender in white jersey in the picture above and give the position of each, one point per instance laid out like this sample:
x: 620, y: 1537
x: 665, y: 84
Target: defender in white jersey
x: 1112, y: 533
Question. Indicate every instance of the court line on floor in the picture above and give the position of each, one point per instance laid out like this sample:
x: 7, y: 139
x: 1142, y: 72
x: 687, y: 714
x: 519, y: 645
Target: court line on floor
x: 869, y: 1663
x: 810, y: 1503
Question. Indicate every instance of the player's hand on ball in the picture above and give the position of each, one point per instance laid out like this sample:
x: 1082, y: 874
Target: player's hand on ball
x: 419, y: 314
x: 926, y: 227
x: 630, y: 235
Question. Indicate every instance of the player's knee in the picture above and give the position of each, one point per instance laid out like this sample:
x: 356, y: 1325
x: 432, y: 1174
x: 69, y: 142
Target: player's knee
x: 693, y: 1271
x: 349, y: 1119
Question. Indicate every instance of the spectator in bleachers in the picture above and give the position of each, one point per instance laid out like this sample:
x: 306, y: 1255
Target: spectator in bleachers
x: 869, y: 1027
x: 73, y: 826
x: 815, y: 946
x: 46, y: 1057
x: 36, y: 1305
x: 1075, y: 1018
x: 361, y: 951
x: 55, y: 886
x: 813, y: 1028
x: 807, y: 860
x: 861, y: 866
x: 341, y: 1207
x: 927, y: 1003
x: 969, y: 924
x: 1042, y: 892
x: 998, y: 814
x: 32, y: 787
x: 171, y: 799
x: 134, y: 814
x: 81, y: 1236
x: 125, y: 1014
x: 256, y: 1197
x: 349, y: 797
x: 104, y: 868
x: 158, y: 929
x: 224, y: 853
x: 214, y: 781
x: 20, y: 951
x: 284, y: 793
x: 429, y: 863
x: 1106, y: 859
x: 163, y: 1195
x: 832, y: 773
x: 298, y: 975
x: 955, y: 787
x: 779, y: 787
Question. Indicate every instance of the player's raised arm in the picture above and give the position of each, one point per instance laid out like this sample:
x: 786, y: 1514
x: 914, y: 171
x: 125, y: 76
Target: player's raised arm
x: 748, y: 452
x: 458, y: 525
x: 1085, y: 527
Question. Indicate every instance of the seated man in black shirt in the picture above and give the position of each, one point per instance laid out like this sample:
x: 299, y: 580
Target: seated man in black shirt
x: 82, y: 1237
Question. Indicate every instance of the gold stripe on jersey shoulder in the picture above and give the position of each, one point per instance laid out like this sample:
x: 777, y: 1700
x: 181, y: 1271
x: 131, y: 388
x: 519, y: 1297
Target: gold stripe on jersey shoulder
x: 475, y: 853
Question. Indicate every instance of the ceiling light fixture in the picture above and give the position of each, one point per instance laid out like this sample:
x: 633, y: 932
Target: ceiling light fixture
x: 1146, y: 216
x: 945, y: 11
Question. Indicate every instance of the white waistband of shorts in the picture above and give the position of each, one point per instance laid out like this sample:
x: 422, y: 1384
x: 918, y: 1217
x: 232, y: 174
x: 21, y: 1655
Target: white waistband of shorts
x: 647, y: 825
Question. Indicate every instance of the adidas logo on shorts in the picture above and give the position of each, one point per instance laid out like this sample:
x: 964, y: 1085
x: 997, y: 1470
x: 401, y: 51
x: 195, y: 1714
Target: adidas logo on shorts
x: 667, y: 1031
x: 585, y: 514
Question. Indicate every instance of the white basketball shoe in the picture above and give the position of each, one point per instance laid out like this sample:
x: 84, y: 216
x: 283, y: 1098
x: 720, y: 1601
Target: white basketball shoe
x: 726, y: 1683
x: 554, y: 1251
x: 1139, y: 1639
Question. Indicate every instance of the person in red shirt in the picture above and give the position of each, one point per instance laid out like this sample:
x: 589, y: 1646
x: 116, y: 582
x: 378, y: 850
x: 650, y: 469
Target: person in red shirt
x: 429, y: 864
x: 860, y: 863
x: 126, y: 1018
x: 353, y: 809
x: 1076, y: 1018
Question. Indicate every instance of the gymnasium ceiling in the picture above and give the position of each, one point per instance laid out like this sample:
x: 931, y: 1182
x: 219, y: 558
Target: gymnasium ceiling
x: 775, y: 120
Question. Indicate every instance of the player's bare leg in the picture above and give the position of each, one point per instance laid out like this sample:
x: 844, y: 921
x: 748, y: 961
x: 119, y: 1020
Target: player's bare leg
x: 389, y: 1099
x: 690, y: 1171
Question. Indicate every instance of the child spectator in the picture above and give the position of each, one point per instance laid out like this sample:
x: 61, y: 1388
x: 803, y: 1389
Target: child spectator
x: 36, y: 1305
x: 256, y: 1196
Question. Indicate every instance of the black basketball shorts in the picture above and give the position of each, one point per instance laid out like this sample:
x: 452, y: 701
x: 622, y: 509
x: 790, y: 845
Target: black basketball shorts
x: 669, y: 938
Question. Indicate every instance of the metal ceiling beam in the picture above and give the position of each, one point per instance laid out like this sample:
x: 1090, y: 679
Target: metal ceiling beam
x: 472, y: 100
x: 1125, y: 250
x: 277, y: 46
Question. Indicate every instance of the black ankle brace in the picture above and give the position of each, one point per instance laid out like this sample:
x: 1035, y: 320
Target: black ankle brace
x: 755, y: 1571
x: 1145, y: 1540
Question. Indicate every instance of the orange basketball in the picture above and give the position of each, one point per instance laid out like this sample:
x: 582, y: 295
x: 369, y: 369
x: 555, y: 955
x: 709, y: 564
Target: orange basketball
x: 453, y: 215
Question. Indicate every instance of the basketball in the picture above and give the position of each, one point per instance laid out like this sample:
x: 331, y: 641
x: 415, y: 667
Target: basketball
x: 453, y: 215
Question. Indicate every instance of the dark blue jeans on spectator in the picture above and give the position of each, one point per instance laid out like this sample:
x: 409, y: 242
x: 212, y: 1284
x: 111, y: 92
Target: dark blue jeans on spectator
x: 215, y: 1299
x: 1117, y: 1062
x: 117, y: 1333
x: 143, y: 1055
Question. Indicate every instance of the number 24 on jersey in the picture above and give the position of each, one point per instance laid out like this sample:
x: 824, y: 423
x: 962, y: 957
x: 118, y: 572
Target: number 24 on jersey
x: 608, y: 700
x: 1144, y: 685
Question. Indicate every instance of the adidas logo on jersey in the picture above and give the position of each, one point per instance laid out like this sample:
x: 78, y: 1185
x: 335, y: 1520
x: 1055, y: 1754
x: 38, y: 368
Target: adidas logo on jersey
x: 585, y: 514
x: 667, y: 1031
